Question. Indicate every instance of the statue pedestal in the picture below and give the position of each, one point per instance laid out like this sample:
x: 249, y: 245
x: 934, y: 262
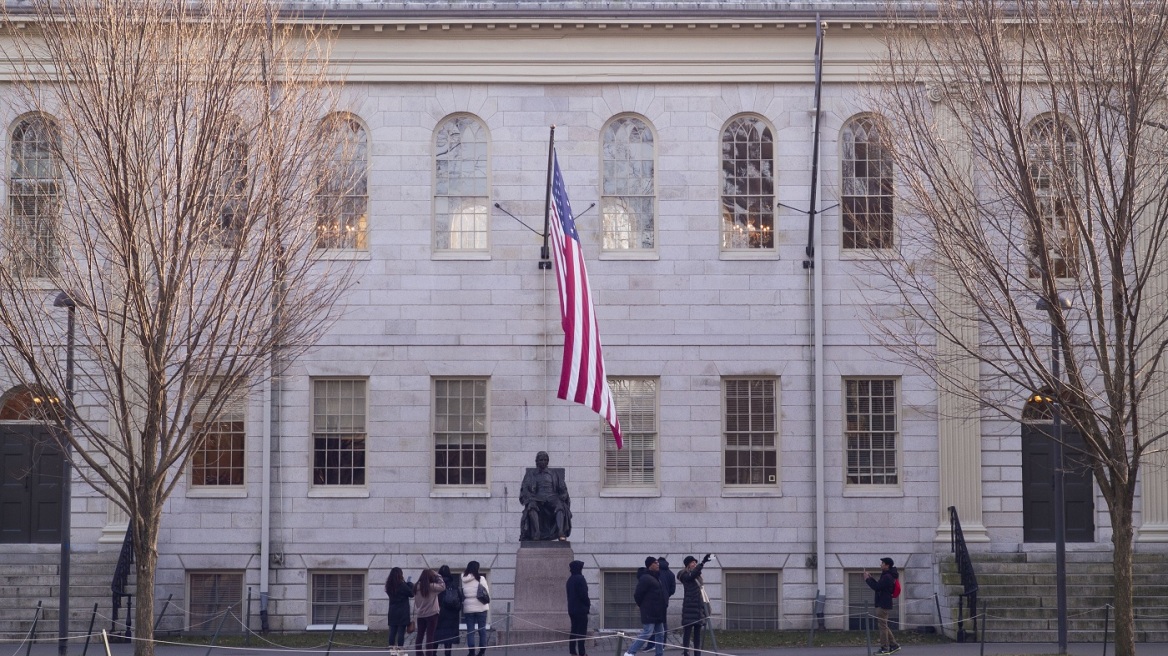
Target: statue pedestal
x: 541, y: 603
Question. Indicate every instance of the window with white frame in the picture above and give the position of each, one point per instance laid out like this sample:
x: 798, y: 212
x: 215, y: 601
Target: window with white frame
x: 635, y: 465
x: 751, y: 600
x: 34, y: 196
x: 342, y: 193
x: 216, y: 599
x: 871, y: 426
x: 628, y: 185
x: 620, y: 609
x: 461, y: 185
x: 866, y: 185
x: 460, y: 431
x: 337, y: 597
x: 750, y: 432
x: 339, y: 409
x: 222, y: 438
x: 748, y: 185
x: 1054, y: 172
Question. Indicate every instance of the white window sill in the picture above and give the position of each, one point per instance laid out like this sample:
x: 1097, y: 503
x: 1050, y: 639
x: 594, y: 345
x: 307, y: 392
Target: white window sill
x: 863, y: 254
x: 751, y: 492
x: 338, y: 492
x: 340, y: 627
x: 460, y: 255
x: 748, y: 255
x: 631, y: 254
x: 643, y: 492
x: 872, y: 491
x: 343, y: 254
x: 460, y: 493
x: 210, y: 492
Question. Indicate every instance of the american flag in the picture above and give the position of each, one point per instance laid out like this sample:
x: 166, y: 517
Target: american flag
x: 582, y: 378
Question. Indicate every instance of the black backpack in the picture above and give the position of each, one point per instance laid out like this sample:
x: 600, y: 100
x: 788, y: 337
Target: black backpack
x: 452, y: 596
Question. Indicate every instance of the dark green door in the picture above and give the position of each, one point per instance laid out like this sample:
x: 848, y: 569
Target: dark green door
x: 30, y: 485
x: 1038, y: 487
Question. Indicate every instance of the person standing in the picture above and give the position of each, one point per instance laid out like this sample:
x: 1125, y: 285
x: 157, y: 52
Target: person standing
x: 400, y: 591
x: 650, y: 598
x: 884, y: 587
x: 449, y: 611
x: 693, y: 604
x: 668, y: 585
x: 474, y: 609
x: 578, y: 607
x: 426, y: 592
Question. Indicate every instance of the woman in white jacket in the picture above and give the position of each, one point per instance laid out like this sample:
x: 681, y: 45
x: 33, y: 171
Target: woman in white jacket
x: 474, y: 612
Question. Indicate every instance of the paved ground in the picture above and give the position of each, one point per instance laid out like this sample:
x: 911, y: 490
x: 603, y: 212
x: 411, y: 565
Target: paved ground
x: 951, y: 649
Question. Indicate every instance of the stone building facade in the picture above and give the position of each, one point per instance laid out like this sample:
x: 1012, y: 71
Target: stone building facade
x: 401, y: 439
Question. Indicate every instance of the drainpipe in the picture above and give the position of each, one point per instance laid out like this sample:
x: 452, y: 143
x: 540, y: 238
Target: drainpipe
x: 266, y: 503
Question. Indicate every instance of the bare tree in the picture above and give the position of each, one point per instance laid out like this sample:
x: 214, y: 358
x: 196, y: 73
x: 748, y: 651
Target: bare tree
x: 1029, y: 139
x: 175, y: 177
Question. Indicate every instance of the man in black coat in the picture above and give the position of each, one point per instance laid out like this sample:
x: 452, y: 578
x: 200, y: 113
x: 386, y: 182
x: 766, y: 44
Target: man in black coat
x: 578, y: 607
x: 884, y: 587
x: 651, y: 599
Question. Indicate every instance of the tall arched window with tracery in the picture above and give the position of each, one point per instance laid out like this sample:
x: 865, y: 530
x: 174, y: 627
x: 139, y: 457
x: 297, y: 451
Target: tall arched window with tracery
x: 34, y: 197
x: 748, y: 185
x: 1054, y: 176
x: 343, y: 185
x: 628, y: 186
x: 866, y: 185
x: 461, y: 186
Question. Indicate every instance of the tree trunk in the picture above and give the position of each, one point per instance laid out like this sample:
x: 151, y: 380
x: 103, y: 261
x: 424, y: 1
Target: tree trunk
x: 1122, y: 543
x: 146, y: 561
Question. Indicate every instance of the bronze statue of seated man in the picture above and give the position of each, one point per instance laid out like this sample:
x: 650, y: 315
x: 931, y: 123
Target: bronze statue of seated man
x: 547, y: 510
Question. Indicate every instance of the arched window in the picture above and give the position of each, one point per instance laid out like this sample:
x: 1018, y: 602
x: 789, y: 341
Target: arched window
x: 628, y: 186
x: 866, y: 185
x: 34, y: 196
x: 748, y: 185
x: 1054, y: 171
x: 461, y: 185
x: 230, y: 193
x: 24, y: 403
x: 343, y: 184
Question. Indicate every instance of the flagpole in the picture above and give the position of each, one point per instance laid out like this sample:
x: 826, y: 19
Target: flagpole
x: 545, y: 254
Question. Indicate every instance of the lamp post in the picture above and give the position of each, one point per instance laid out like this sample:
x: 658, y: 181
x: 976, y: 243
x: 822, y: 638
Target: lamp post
x: 1060, y: 520
x: 64, y: 300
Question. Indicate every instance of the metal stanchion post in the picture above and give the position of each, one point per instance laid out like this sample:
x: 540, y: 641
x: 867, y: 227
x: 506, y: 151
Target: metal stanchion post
x: 89, y: 633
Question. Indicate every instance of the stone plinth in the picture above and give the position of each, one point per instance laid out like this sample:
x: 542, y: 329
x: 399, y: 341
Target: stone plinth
x: 541, y: 604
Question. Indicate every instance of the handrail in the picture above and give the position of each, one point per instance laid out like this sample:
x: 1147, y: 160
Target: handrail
x: 121, y: 580
x: 965, y: 569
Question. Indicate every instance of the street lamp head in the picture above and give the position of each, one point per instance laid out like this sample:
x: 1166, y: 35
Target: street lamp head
x: 64, y: 300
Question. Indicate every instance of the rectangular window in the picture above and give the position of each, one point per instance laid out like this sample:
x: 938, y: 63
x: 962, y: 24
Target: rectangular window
x: 460, y: 431
x: 338, y: 431
x: 750, y: 432
x: 620, y: 610
x: 871, y: 427
x: 862, y: 602
x: 219, y: 460
x: 752, y: 600
x: 213, y: 594
x: 636, y: 406
x: 338, y: 597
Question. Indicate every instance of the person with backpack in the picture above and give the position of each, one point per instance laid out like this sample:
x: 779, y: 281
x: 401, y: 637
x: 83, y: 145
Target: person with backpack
x: 400, y: 591
x: 426, y: 593
x: 887, y: 588
x: 476, y: 601
x: 650, y: 598
x: 449, y: 610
